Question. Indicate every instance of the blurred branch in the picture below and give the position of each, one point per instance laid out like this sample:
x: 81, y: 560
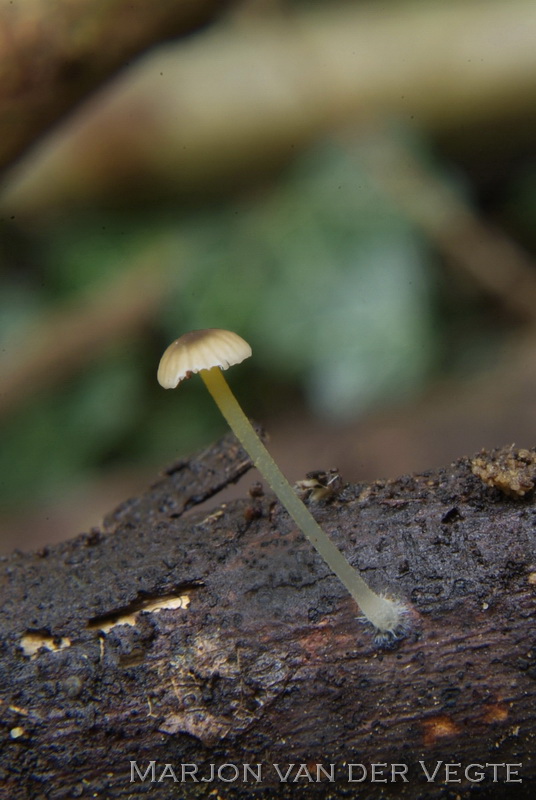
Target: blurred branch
x: 53, y: 54
x: 58, y: 344
x: 251, y: 92
x: 494, y: 261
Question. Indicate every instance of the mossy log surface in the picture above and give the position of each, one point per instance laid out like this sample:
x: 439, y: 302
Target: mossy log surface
x: 178, y: 635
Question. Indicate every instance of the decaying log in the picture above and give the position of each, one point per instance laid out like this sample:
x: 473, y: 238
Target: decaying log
x: 179, y: 638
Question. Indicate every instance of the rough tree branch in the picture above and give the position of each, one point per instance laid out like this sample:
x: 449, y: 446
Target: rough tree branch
x: 178, y: 635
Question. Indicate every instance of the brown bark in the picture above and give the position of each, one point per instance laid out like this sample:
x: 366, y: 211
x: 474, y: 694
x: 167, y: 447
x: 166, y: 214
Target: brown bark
x: 258, y: 656
x: 53, y: 53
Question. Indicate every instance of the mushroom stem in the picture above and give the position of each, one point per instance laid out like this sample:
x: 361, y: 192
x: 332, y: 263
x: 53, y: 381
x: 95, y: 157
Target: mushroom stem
x: 383, y: 613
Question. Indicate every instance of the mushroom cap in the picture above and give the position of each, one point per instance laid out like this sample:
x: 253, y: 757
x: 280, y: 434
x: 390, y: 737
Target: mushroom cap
x: 198, y: 350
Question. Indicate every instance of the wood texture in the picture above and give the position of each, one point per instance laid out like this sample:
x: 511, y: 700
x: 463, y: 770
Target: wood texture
x: 258, y: 656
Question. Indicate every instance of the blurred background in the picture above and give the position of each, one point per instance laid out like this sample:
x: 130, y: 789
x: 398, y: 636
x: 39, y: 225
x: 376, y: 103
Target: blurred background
x: 349, y: 186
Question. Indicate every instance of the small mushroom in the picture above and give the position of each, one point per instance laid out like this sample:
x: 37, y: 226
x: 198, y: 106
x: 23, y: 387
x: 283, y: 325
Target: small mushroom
x: 210, y: 351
